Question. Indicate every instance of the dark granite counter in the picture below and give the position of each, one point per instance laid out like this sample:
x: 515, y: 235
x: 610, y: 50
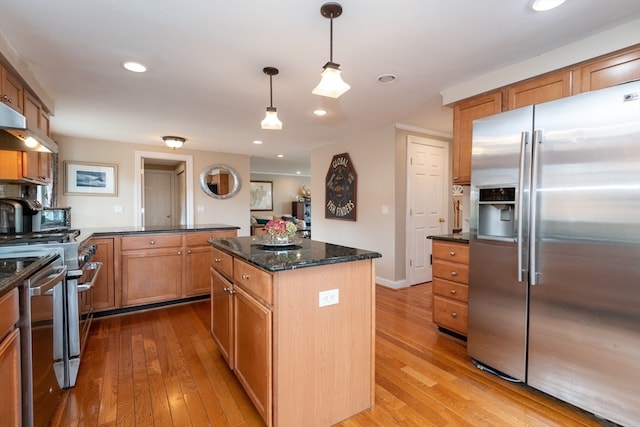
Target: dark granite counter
x: 304, y: 253
x: 457, y: 237
x: 14, y: 270
x: 86, y: 233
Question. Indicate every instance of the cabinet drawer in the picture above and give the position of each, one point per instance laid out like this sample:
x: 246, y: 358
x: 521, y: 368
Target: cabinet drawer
x: 451, y: 271
x: 450, y: 314
x: 8, y: 312
x: 452, y: 290
x: 151, y: 241
x: 257, y: 282
x: 222, y: 263
x: 453, y: 252
x: 200, y: 238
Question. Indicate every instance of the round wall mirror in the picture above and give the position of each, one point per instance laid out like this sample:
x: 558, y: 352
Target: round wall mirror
x: 220, y: 181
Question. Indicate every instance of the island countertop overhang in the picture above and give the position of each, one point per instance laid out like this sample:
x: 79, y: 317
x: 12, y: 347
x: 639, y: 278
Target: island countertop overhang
x: 304, y: 253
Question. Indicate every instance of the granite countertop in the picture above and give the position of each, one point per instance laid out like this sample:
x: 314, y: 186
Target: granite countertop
x: 452, y: 237
x: 85, y: 233
x: 14, y: 270
x: 303, y: 253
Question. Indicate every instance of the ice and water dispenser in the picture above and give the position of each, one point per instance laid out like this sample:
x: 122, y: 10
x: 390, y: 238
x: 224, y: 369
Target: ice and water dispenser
x: 497, y: 213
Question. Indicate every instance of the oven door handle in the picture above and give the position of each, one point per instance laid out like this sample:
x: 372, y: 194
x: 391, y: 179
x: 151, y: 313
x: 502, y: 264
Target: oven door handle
x: 46, y: 282
x: 95, y: 266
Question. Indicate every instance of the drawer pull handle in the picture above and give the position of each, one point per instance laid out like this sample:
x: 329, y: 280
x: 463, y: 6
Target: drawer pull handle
x: 452, y: 253
x: 152, y: 242
x: 453, y: 291
x: 245, y: 277
x: 454, y: 314
x: 189, y: 251
x: 229, y: 291
x: 454, y: 273
x: 217, y: 260
x: 179, y: 252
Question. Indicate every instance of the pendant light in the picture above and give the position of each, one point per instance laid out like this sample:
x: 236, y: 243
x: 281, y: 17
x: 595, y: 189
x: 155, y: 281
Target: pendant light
x: 173, y: 141
x: 271, y: 120
x: 331, y: 84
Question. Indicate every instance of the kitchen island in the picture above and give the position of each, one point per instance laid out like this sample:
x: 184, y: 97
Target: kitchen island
x: 296, y: 324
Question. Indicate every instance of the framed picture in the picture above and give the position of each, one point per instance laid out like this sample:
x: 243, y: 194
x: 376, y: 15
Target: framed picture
x: 341, y: 184
x: 94, y: 179
x: 261, y: 195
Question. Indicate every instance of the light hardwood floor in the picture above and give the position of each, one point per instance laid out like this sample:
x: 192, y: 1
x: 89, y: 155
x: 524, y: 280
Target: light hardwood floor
x: 162, y: 368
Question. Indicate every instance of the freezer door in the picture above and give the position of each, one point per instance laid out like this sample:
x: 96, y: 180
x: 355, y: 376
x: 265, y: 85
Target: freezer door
x: 584, y: 326
x: 497, y: 322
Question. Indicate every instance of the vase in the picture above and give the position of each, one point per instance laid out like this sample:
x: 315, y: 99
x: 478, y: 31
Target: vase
x: 280, y: 240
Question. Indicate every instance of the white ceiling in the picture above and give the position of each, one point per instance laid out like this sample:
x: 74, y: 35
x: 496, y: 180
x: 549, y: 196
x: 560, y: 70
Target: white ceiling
x: 205, y: 59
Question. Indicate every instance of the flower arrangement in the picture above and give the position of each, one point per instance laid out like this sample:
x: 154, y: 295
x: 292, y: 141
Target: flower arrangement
x: 280, y: 228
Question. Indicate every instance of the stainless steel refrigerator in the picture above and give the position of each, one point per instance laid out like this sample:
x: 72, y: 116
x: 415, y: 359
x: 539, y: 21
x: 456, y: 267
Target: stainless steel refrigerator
x: 554, y: 286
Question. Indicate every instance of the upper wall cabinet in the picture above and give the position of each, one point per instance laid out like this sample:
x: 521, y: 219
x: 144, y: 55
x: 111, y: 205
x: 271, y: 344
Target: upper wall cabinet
x: 606, y: 71
x: 36, y: 116
x: 541, y: 89
x: 10, y: 89
x: 609, y: 71
x: 464, y: 113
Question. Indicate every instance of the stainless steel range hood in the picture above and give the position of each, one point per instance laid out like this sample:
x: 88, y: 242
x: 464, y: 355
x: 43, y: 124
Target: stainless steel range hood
x: 14, y: 134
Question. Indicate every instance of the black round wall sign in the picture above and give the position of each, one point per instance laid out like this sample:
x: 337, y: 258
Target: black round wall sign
x: 341, y: 184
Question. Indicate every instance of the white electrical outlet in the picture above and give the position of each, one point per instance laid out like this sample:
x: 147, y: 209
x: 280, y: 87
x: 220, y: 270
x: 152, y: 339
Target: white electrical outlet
x: 330, y: 297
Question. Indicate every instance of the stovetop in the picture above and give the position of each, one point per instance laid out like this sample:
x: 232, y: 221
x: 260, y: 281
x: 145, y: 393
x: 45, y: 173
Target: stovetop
x: 38, y: 238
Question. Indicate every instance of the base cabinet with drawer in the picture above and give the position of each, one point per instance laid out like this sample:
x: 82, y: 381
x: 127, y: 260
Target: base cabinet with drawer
x: 300, y: 364
x: 450, y: 285
x: 10, y: 376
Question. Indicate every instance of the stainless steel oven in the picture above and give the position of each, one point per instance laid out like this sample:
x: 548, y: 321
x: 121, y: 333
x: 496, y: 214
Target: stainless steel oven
x: 41, y: 326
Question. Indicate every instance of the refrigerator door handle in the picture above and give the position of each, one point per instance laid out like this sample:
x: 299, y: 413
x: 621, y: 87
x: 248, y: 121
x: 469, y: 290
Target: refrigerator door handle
x: 524, y: 140
x: 533, y: 275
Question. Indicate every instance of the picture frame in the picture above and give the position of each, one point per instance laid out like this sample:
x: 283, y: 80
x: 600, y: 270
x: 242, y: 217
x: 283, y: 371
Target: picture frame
x: 261, y: 195
x: 90, y: 179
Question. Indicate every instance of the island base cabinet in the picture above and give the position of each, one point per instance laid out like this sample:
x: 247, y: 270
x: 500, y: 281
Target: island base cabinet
x: 323, y: 356
x: 221, y: 314
x: 253, y: 338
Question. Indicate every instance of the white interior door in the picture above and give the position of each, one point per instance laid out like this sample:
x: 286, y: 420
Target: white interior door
x: 158, y: 197
x: 426, y: 203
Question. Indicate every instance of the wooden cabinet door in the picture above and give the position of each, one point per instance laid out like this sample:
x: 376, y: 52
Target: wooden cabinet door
x: 11, y: 402
x: 464, y: 113
x: 222, y: 315
x: 10, y: 89
x: 609, y: 71
x: 36, y: 167
x: 198, y: 262
x: 253, y: 360
x: 150, y: 276
x: 104, y: 289
x: 540, y: 89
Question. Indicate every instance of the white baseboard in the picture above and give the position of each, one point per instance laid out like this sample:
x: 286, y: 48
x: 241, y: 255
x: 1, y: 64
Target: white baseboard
x: 399, y: 284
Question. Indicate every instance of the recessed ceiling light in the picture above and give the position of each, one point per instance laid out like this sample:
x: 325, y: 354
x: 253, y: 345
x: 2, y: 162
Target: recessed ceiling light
x: 298, y: 172
x: 320, y: 112
x: 134, y: 67
x: 387, y: 78
x: 279, y: 156
x: 257, y: 142
x: 544, y: 5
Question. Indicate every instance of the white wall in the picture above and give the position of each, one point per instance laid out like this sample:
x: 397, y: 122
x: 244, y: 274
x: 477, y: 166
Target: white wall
x: 100, y: 211
x: 372, y: 156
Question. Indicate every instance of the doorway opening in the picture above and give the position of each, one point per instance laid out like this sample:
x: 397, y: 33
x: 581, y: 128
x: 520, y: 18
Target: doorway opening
x: 163, y: 189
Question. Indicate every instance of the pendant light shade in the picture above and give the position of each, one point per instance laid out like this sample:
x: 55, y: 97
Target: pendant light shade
x: 271, y: 120
x: 331, y: 84
x: 173, y: 141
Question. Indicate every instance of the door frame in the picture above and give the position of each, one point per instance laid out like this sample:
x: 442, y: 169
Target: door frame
x: 138, y: 182
x: 413, y: 139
